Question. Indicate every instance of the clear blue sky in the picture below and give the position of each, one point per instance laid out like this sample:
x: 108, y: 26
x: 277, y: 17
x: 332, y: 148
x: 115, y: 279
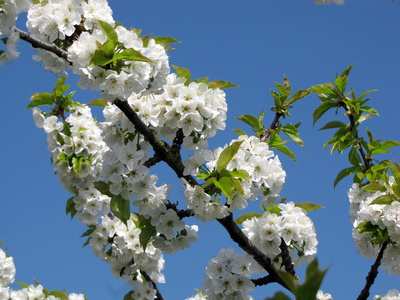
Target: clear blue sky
x: 250, y: 43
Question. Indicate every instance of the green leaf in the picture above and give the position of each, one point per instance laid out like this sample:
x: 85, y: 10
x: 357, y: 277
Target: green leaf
x: 100, y: 59
x: 164, y: 40
x: 347, y: 71
x: 77, y: 164
x: 341, y: 83
x: 383, y: 200
x: 253, y: 121
x: 308, y: 206
x: 220, y: 84
x: 312, y: 284
x: 239, y: 174
x: 227, y: 154
x: 183, y: 73
x: 98, y: 102
x: 131, y: 54
x: 292, y: 131
x: 237, y: 186
x: 326, y: 88
x: 147, y: 230
x: 375, y: 187
x: 203, y: 80
x: 102, y: 187
x: 299, y: 95
x: 39, y: 99
x: 226, y: 186
x: 247, y: 216
x: 354, y: 157
x: 345, y: 172
x: 333, y: 124
x: 285, y: 150
x: 239, y: 131
x: 321, y: 110
x: 70, y: 208
x: 60, y: 87
x: 110, y: 32
x: 273, y: 209
x: 24, y: 285
x: 58, y: 294
x: 120, y: 208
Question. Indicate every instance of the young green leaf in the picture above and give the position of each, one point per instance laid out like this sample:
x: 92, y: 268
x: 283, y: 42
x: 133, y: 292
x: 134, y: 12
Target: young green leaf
x: 247, y: 216
x: 308, y: 206
x: 375, y: 187
x: 253, y: 121
x: 333, y: 124
x: 227, y: 154
x: 314, y: 277
x: 345, y: 172
x: 39, y: 99
x: 285, y: 150
x: 120, y: 208
x: 226, y: 186
x: 220, y: 84
x: 98, y: 102
x: 321, y: 110
x: 110, y: 32
x: 183, y: 73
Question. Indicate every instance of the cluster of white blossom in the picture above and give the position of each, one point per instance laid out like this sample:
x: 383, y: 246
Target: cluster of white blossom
x: 173, y: 234
x: 7, y: 277
x: 254, y: 157
x: 391, y: 295
x: 77, y: 149
x: 228, y: 276
x: 74, y: 26
x: 292, y: 226
x: 123, y: 163
x: 196, y: 109
x: 9, y: 11
x: 385, y: 216
x: 119, y: 245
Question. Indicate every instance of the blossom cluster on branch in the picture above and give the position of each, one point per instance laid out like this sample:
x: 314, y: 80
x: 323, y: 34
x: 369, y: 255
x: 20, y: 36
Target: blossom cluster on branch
x: 152, y: 115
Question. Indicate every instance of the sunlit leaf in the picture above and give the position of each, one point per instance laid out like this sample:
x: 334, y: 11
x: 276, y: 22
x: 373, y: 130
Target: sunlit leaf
x: 247, y: 216
x: 220, y: 84
x: 308, y: 206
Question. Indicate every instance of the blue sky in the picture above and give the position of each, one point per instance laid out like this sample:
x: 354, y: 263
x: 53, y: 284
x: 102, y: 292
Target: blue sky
x: 250, y: 43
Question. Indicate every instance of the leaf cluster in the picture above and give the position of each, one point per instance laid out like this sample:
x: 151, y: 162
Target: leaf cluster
x: 283, y: 101
x: 215, y: 84
x: 361, y: 151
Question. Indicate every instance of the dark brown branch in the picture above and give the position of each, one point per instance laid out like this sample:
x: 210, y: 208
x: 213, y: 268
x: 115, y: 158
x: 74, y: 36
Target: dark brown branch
x: 286, y: 259
x: 263, y: 280
x: 241, y: 239
x: 373, y: 273
x: 162, y: 149
x: 147, y: 277
x: 152, y: 161
x: 36, y: 43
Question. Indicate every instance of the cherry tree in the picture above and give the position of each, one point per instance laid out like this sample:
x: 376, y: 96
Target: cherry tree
x: 155, y: 113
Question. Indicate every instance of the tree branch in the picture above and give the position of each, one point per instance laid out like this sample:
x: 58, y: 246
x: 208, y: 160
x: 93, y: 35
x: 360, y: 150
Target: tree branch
x: 163, y: 150
x: 373, y: 273
x: 263, y: 280
x: 36, y: 43
x: 286, y: 259
x: 147, y: 277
